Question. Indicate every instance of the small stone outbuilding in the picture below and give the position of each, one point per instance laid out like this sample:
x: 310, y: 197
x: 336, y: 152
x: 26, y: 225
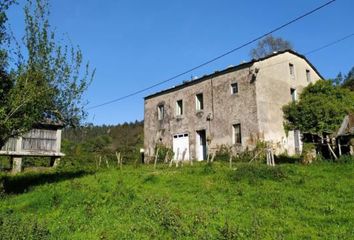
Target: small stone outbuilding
x: 235, y: 107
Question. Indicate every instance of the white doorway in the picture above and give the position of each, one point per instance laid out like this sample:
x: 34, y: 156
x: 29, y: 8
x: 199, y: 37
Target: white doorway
x: 201, y: 147
x: 181, y: 146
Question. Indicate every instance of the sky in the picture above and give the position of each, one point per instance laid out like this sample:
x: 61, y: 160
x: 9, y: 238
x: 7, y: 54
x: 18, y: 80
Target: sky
x: 135, y: 44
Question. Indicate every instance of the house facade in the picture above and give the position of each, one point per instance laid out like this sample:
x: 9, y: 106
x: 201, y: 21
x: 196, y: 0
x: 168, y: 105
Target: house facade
x: 235, y: 107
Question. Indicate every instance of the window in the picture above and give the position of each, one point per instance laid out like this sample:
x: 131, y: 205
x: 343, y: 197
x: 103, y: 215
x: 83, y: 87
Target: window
x: 308, y: 75
x: 236, y: 135
x: 293, y: 94
x: 234, y: 88
x: 179, y: 107
x: 160, y: 112
x: 199, y: 103
x: 292, y: 70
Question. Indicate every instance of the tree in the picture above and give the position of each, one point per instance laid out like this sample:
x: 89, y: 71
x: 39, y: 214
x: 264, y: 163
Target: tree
x: 348, y: 81
x: 48, y: 79
x: 320, y: 109
x: 268, y: 45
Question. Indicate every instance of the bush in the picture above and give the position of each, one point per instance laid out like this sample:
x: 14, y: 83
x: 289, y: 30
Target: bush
x: 308, y: 153
x: 258, y: 154
x: 163, y: 151
x: 223, y: 153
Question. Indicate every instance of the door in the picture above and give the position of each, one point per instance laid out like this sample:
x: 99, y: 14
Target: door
x: 181, y: 146
x: 201, y: 148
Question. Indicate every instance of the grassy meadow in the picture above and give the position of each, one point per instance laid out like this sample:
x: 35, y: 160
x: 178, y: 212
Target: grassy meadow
x: 289, y: 201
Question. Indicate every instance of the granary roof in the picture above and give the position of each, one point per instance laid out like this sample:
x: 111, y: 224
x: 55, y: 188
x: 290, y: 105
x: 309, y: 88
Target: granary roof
x: 347, y: 127
x: 49, y: 124
x: 229, y: 69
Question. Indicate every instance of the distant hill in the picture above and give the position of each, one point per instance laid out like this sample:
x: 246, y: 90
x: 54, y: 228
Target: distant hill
x: 92, y: 141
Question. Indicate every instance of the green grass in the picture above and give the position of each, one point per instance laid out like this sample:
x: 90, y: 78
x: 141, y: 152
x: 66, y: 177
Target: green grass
x: 199, y: 202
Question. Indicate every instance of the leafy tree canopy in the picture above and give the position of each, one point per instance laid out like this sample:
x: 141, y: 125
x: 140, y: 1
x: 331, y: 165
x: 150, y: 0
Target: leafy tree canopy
x: 268, y: 45
x: 320, y: 109
x: 47, y: 79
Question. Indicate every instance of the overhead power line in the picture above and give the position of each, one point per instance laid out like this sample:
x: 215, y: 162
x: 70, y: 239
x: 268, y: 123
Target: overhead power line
x: 330, y: 44
x: 313, y: 51
x: 216, y: 58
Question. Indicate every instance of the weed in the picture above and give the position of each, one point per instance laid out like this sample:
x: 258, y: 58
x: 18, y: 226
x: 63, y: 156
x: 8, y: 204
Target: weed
x: 258, y: 172
x: 150, y: 178
x: 346, y: 159
x: 208, y: 169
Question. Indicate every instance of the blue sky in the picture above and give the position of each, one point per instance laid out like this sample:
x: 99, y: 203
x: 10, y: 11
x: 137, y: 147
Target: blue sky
x: 134, y: 44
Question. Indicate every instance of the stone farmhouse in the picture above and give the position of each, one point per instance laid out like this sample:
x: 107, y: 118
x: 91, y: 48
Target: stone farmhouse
x: 236, y: 107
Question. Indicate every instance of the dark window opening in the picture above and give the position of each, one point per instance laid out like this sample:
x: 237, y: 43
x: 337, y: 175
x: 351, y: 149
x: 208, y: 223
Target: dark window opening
x: 234, y: 88
x: 199, y: 102
x: 236, y: 128
x: 160, y: 112
x: 179, y: 107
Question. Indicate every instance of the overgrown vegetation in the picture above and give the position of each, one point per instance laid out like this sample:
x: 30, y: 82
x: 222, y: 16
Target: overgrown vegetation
x: 41, y: 77
x: 320, y: 109
x: 84, y: 146
x: 204, y: 201
x: 256, y: 154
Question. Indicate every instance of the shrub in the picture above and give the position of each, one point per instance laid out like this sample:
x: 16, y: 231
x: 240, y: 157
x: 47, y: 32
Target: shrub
x: 223, y: 153
x: 308, y: 153
x: 257, y: 154
x: 163, y: 151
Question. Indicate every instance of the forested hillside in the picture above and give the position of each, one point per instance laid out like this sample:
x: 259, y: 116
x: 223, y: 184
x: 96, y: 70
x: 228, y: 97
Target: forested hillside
x: 85, y: 145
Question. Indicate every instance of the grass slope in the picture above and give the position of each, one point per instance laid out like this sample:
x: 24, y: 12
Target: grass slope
x: 199, y: 202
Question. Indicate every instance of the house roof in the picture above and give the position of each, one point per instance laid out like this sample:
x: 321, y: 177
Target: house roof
x: 227, y: 70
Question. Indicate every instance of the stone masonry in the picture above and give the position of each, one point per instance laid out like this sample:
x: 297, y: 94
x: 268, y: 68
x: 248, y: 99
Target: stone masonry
x: 264, y: 86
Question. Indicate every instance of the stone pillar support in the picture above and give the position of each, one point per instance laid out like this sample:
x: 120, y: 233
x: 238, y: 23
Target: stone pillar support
x: 17, y: 161
x: 56, y: 162
x: 16, y: 164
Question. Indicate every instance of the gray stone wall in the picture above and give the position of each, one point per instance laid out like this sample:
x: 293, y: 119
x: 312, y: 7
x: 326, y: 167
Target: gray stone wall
x: 221, y: 110
x: 273, y: 86
x: 257, y: 106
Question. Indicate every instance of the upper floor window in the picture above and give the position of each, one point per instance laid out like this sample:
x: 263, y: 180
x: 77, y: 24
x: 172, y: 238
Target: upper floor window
x: 179, y: 107
x: 236, y: 134
x: 308, y: 75
x: 160, y: 112
x: 292, y: 70
x: 293, y: 94
x: 234, y: 88
x: 199, y: 102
